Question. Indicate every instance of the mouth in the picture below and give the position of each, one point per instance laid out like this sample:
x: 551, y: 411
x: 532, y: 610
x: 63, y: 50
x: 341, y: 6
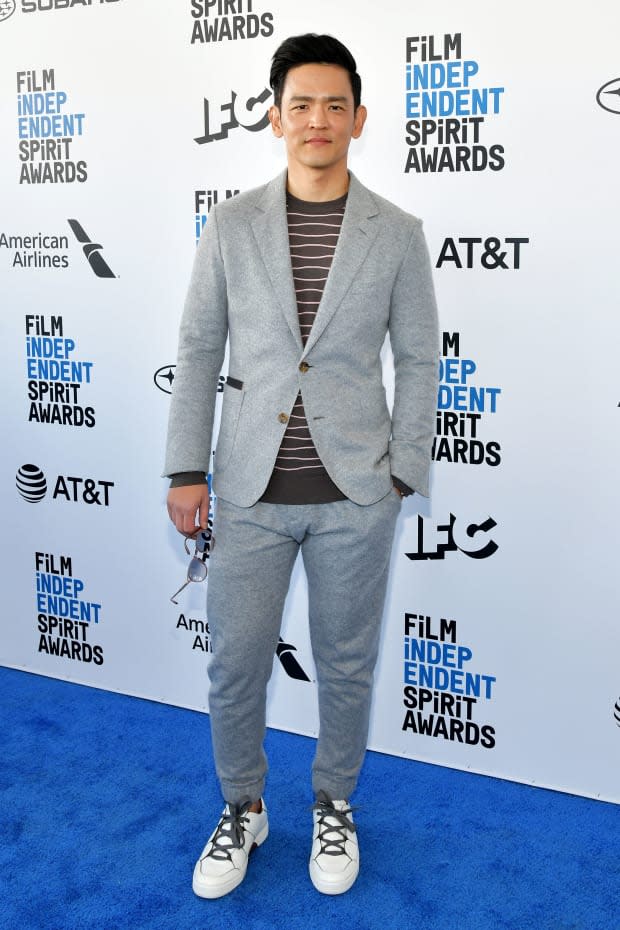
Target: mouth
x: 318, y: 141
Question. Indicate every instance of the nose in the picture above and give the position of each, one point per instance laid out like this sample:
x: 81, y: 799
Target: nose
x: 318, y: 116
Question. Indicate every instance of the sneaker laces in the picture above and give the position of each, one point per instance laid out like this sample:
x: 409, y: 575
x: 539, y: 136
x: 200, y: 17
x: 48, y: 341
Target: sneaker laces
x: 230, y: 832
x: 332, y: 822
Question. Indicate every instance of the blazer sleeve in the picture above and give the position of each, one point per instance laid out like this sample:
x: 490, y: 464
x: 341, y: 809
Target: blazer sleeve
x: 414, y: 337
x: 202, y: 344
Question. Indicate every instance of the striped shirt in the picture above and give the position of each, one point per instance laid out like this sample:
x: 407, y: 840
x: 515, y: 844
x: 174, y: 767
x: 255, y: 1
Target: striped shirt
x: 299, y: 476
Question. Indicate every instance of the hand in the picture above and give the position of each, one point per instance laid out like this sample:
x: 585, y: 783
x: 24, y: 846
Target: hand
x: 185, y: 504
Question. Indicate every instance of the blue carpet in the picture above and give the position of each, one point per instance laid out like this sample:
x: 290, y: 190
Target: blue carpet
x: 106, y: 801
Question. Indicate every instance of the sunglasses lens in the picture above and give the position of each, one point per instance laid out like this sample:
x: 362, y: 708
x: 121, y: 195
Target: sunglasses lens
x: 197, y: 570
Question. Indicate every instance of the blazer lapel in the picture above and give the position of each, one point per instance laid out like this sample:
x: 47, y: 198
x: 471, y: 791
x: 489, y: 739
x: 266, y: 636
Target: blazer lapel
x: 357, y: 235
x: 270, y: 229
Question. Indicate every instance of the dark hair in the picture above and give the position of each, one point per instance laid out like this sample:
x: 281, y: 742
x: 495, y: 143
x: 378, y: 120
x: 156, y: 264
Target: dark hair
x: 312, y: 49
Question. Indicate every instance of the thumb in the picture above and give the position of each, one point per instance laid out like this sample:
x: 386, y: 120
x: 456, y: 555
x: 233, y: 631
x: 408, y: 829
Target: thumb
x: 204, y: 512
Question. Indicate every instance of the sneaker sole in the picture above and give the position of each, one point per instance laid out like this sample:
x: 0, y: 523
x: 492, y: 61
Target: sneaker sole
x: 326, y: 887
x: 225, y: 887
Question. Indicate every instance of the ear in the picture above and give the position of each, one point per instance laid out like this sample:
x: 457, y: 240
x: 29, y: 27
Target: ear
x: 274, y: 119
x: 358, y: 123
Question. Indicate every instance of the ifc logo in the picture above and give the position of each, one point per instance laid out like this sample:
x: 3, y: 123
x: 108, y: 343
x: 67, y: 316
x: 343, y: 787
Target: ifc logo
x: 7, y: 8
x: 31, y: 483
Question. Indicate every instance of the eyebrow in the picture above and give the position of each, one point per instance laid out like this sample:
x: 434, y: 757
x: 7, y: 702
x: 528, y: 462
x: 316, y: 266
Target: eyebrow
x: 331, y: 98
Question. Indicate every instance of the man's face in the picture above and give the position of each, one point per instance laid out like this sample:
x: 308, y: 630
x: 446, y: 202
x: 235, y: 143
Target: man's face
x: 316, y: 117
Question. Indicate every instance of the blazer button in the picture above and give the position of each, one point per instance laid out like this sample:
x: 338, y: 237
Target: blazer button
x: 282, y: 417
x: 304, y: 367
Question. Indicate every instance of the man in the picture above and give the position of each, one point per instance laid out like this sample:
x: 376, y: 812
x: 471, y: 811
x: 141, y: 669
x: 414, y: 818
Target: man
x: 304, y: 276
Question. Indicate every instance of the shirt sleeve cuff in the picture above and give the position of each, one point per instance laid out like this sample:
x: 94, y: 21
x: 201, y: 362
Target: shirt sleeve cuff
x: 404, y: 489
x: 184, y: 478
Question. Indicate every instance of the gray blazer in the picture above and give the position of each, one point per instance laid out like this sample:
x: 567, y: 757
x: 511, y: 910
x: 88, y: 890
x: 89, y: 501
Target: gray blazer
x: 242, y: 289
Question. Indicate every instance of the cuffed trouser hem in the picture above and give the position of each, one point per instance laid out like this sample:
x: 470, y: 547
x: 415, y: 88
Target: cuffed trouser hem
x: 239, y: 794
x: 336, y: 790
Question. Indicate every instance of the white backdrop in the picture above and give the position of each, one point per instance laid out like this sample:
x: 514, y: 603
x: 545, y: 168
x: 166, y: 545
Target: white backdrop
x: 515, y: 671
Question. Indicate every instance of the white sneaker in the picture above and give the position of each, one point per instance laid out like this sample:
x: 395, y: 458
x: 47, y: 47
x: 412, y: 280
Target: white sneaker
x: 335, y: 858
x: 224, y: 860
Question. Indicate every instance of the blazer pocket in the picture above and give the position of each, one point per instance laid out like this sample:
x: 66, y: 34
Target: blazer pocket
x: 231, y: 411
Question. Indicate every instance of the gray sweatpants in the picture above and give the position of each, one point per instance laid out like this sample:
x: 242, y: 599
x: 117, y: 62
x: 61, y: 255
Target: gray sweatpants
x: 346, y: 554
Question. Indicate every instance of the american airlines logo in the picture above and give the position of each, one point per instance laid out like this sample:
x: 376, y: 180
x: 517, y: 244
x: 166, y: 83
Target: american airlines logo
x: 92, y: 251
x: 291, y: 666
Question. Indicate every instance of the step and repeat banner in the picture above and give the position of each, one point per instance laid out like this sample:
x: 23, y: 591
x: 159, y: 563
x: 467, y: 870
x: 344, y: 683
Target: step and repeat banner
x: 122, y: 123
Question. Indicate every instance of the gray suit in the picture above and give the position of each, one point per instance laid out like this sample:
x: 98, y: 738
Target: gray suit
x: 242, y: 288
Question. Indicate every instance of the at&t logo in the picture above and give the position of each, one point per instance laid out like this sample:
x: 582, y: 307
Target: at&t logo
x: 31, y: 484
x: 489, y: 253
